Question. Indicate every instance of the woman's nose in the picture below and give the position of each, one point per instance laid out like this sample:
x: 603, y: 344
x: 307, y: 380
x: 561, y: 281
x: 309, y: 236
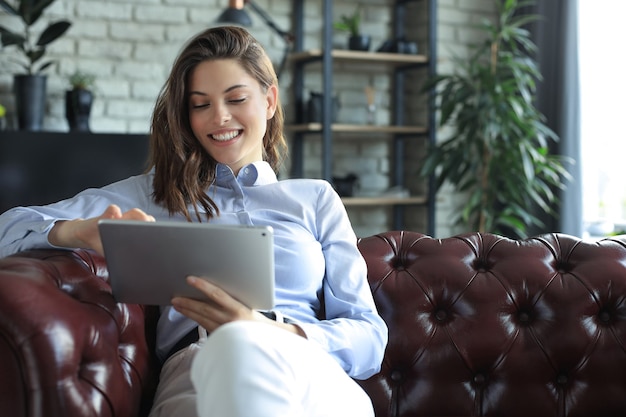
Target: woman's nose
x: 221, y: 115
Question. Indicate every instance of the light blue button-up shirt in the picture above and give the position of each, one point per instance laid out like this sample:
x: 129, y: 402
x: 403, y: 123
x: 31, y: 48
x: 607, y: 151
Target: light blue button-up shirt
x: 319, y: 269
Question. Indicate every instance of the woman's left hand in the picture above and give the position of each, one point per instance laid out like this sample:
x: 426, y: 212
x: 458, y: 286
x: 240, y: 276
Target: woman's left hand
x: 220, y: 308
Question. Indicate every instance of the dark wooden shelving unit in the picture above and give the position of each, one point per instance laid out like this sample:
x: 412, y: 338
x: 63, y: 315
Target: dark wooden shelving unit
x: 399, y: 132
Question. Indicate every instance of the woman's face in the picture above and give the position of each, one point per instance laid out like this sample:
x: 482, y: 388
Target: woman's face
x: 228, y: 112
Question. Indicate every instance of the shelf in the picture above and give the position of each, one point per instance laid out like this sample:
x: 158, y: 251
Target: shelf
x: 400, y: 74
x: 352, y: 128
x: 359, y: 56
x: 383, y: 201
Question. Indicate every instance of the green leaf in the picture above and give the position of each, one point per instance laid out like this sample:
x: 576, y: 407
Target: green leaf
x: 53, y: 32
x: 514, y: 223
x: 31, y: 10
x: 350, y: 23
x: 35, y: 55
x: 8, y: 8
x: 46, y: 65
x: 10, y: 38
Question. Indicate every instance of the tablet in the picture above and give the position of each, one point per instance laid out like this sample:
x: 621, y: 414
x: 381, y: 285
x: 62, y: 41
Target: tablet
x: 148, y: 262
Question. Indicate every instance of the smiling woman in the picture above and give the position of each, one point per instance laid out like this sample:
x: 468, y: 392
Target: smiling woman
x: 226, y: 106
x: 216, y: 145
x: 188, y: 154
x: 602, y: 87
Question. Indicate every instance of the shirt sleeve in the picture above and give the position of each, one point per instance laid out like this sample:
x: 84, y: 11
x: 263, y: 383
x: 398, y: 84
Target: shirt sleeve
x: 23, y: 228
x: 353, y: 332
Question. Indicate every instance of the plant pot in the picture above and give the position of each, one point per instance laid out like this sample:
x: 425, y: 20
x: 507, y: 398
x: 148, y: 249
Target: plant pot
x: 314, y: 108
x: 346, y: 186
x: 359, y: 43
x: 78, y: 108
x: 30, y: 100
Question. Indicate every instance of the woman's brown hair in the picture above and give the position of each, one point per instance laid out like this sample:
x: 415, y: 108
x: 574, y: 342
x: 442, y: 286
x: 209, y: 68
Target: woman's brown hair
x: 183, y: 170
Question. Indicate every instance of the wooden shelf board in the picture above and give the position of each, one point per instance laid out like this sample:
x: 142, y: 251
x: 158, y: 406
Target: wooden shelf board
x: 352, y: 128
x: 345, y: 54
x: 383, y: 201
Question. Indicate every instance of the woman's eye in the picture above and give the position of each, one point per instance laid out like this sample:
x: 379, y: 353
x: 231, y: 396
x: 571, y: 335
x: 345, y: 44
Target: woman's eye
x: 199, y: 106
x: 237, y: 100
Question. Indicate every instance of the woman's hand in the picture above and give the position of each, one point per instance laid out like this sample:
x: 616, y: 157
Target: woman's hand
x: 220, y: 308
x: 84, y: 233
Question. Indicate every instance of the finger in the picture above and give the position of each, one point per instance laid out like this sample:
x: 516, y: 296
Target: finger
x: 215, y: 301
x: 137, y: 214
x: 212, y: 291
x: 206, y: 315
x: 217, y: 296
x: 196, y: 309
x: 112, y: 212
x: 220, y: 305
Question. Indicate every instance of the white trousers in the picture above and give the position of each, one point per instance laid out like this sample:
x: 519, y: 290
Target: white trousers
x: 255, y: 369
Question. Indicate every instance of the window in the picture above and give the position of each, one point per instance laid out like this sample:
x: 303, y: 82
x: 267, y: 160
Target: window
x: 601, y: 36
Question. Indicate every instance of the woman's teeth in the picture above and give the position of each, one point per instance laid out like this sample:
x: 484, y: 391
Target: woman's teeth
x: 226, y: 136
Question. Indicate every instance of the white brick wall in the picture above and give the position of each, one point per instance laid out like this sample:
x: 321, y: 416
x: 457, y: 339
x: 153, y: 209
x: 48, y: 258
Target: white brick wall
x: 130, y: 45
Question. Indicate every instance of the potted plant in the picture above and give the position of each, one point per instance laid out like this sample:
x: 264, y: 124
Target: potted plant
x: 30, y: 85
x: 498, y: 153
x: 78, y: 100
x: 352, y: 25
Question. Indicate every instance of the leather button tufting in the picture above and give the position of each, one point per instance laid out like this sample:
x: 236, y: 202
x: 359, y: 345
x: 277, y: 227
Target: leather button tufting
x: 396, y: 376
x: 524, y: 317
x: 479, y: 379
x: 561, y: 379
x: 604, y: 316
x: 398, y: 264
x: 562, y: 267
x: 441, y: 314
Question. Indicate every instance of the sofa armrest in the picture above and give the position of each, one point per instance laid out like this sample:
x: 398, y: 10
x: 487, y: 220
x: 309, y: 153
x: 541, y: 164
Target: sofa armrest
x: 66, y: 347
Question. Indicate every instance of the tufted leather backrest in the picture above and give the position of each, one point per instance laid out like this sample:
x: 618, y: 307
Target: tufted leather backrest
x: 483, y: 325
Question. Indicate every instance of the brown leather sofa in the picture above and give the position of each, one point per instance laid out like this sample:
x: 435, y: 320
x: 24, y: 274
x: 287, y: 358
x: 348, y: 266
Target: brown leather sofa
x: 479, y: 325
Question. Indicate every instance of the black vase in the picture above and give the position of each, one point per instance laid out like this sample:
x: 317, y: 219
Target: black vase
x: 359, y: 42
x: 30, y: 100
x: 78, y: 108
x: 314, y: 108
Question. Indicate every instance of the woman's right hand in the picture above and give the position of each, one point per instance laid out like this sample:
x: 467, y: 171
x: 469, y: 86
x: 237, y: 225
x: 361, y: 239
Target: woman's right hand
x: 84, y: 233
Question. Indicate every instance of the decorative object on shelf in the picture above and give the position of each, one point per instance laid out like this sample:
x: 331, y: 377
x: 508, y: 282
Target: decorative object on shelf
x: 314, y: 108
x: 370, y: 94
x: 3, y: 119
x: 78, y: 101
x: 235, y: 14
x: 498, y: 152
x: 352, y: 24
x: 30, y: 100
x: 400, y: 46
x: 346, y: 186
x: 30, y: 85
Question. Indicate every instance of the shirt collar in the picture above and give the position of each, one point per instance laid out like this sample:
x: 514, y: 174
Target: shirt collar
x: 256, y: 173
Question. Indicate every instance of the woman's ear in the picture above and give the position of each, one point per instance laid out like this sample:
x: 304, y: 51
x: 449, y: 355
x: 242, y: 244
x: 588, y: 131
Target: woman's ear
x: 272, y: 101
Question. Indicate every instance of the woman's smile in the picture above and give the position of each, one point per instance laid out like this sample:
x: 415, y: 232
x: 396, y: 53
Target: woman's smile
x: 226, y: 136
